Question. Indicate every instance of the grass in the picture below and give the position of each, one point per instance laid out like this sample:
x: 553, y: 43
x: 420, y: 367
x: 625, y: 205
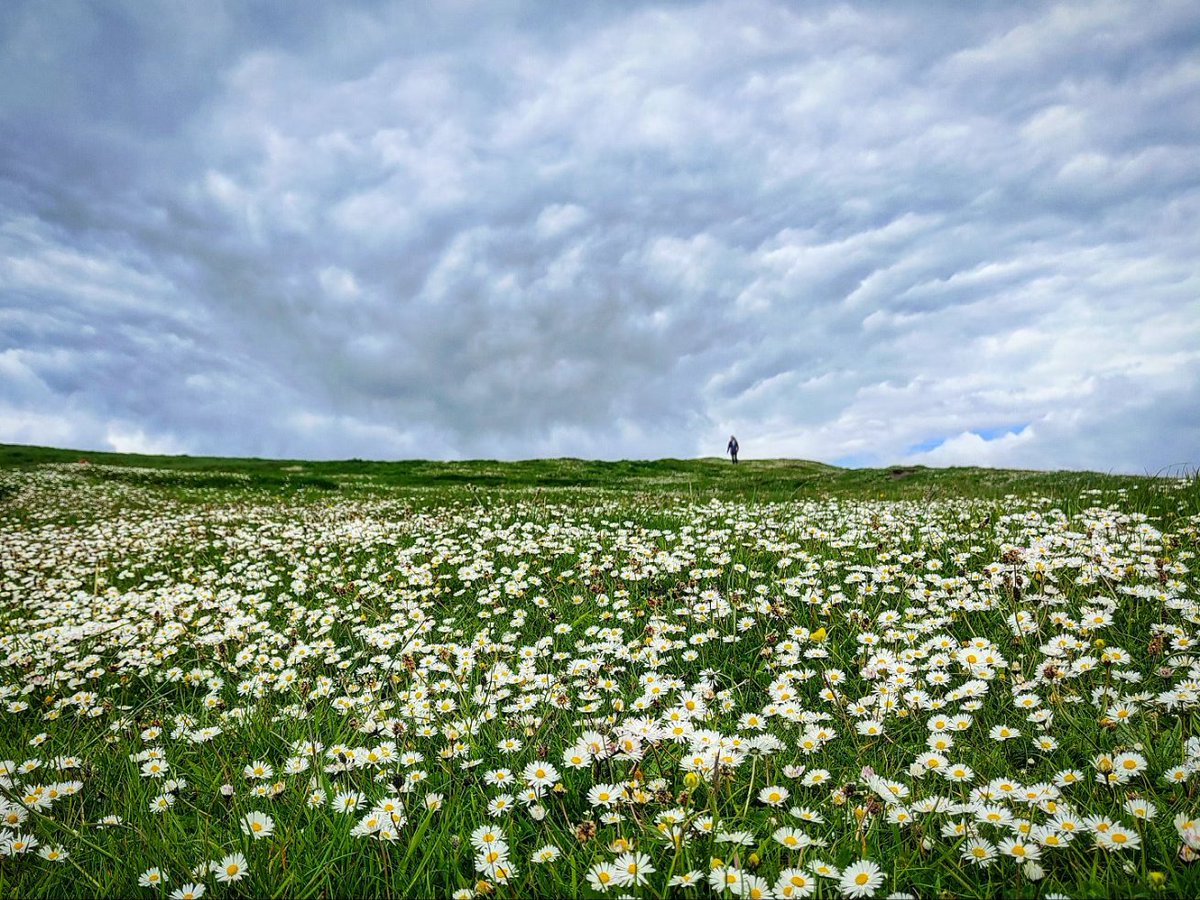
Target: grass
x: 432, y: 612
x: 759, y: 480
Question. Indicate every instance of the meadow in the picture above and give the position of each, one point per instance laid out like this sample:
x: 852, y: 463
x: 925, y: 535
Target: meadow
x: 234, y: 678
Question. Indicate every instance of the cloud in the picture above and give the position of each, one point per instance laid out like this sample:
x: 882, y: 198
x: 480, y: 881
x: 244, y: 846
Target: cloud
x: 134, y: 440
x: 377, y: 231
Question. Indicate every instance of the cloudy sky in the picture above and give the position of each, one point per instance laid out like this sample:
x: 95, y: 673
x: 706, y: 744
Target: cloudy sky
x: 864, y: 233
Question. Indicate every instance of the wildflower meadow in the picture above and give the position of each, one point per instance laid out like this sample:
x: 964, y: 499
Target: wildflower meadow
x: 767, y: 682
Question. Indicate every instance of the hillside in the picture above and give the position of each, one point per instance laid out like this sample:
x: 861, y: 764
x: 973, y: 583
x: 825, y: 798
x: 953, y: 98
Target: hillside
x: 761, y: 479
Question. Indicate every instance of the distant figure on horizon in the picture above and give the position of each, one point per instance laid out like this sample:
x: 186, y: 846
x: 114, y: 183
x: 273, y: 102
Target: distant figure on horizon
x: 732, y: 449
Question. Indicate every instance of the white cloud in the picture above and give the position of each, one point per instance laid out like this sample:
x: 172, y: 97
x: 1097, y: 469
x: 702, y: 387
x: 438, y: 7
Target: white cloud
x: 559, y: 218
x: 123, y: 438
x: 971, y: 449
x: 338, y: 283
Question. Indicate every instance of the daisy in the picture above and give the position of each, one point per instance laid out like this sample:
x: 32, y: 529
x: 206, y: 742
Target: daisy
x: 722, y: 877
x: 957, y: 772
x: 347, y: 802
x: 1068, y: 777
x: 577, y: 758
x: 1033, y: 871
x: 1141, y: 809
x: 898, y: 815
x: 862, y: 879
x: 686, y: 880
x: 21, y: 843
x: 794, y: 884
x: 1020, y: 850
x: 978, y: 852
x: 1021, y: 827
x: 1118, y: 838
x: 632, y: 869
x: 502, y: 873
x: 932, y: 761
x: 989, y: 814
x: 151, y: 879
x: 1099, y: 824
x: 485, y: 835
x: 773, y: 795
x: 257, y: 825
x: 368, y: 824
x: 1067, y: 823
x: 498, y: 777
x: 540, y: 774
x: 602, y: 876
x: 955, y: 829
x: 1049, y: 837
x: 54, y: 853
x: 258, y: 770
x: 1004, y: 787
x: 824, y: 869
x: 603, y: 794
x: 501, y: 805
x: 1128, y: 764
x: 546, y: 854
x: 751, y: 887
x: 491, y: 856
x: 188, y: 892
x: 232, y: 868
x: 792, y: 838
x: 1177, y: 775
x: 744, y: 838
x: 804, y: 814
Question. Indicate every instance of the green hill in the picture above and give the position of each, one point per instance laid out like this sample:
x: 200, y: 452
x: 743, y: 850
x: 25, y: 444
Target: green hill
x: 751, y: 479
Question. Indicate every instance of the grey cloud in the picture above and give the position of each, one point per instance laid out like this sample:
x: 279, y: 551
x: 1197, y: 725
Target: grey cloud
x: 506, y: 230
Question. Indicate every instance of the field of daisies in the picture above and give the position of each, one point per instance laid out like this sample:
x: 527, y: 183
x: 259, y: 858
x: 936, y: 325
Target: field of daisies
x: 228, y: 693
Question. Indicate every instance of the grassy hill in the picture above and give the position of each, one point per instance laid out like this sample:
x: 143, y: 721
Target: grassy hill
x: 754, y: 479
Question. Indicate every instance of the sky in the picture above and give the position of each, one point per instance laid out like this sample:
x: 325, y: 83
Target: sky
x: 866, y: 233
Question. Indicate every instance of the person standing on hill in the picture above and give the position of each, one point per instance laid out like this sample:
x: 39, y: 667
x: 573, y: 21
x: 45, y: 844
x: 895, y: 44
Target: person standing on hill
x: 732, y: 448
